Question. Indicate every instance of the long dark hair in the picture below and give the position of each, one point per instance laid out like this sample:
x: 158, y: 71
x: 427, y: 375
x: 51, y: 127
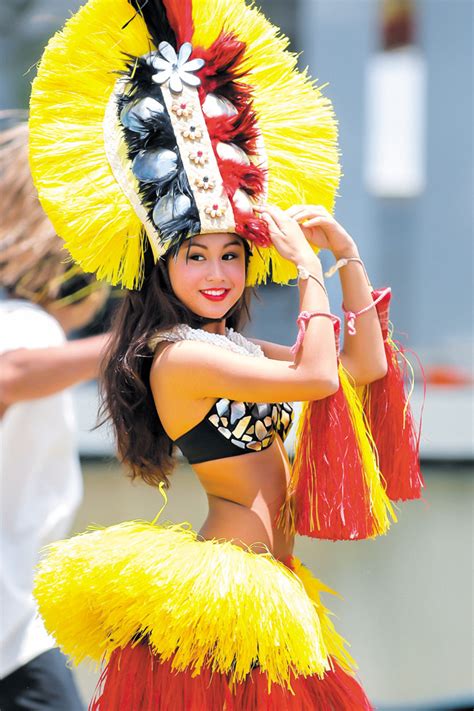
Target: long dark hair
x: 127, y: 401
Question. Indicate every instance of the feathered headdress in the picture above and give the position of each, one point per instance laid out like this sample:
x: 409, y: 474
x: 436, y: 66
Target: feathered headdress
x: 156, y: 120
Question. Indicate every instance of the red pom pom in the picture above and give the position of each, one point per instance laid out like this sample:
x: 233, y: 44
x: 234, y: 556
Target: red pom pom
x: 331, y: 498
x: 391, y: 420
x: 330, y: 495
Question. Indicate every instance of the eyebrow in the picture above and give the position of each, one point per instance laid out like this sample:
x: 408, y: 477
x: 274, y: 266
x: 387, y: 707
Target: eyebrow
x: 227, y: 244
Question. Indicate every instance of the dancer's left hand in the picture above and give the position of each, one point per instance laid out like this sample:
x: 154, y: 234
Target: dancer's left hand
x: 323, y: 231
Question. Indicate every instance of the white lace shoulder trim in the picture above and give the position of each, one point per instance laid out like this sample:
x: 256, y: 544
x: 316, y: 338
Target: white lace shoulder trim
x: 232, y: 341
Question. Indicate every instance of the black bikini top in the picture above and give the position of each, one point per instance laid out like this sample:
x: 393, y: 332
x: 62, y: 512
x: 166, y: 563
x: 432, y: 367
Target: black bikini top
x: 230, y: 428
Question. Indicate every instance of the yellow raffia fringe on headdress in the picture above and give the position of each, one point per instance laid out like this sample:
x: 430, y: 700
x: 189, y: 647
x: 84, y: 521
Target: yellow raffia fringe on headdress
x: 74, y: 180
x: 68, y: 162
x: 201, y: 603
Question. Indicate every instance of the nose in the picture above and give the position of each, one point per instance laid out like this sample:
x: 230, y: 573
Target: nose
x: 215, y: 273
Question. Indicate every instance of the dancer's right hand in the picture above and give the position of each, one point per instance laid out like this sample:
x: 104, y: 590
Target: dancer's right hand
x: 287, y: 236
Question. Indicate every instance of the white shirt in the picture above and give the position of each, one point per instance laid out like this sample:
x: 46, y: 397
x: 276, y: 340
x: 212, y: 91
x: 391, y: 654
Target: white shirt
x: 40, y: 487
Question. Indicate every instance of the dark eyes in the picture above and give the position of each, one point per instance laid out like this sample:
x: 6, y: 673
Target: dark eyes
x: 228, y: 256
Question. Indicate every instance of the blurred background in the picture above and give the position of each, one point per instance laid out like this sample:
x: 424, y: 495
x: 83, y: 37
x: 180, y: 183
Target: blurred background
x: 400, y: 75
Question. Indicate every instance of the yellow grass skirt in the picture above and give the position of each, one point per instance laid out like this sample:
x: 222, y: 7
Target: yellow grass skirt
x: 198, y: 603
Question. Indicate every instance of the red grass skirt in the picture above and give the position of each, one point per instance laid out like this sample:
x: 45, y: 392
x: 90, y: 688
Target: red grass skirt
x: 188, y: 625
x: 136, y: 680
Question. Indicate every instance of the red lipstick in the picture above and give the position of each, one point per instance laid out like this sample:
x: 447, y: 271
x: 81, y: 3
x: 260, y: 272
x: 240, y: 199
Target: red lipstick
x: 215, y: 294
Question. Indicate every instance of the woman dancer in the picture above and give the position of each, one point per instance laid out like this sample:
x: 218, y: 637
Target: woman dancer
x: 171, y: 169
x: 205, y: 385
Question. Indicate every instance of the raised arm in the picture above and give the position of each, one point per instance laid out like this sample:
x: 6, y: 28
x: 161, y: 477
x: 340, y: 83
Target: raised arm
x: 274, y: 350
x: 26, y: 374
x: 363, y: 354
x: 197, y: 370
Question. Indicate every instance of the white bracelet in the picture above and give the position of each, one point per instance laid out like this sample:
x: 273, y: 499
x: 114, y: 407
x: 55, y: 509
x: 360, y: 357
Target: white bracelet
x: 304, y: 275
x: 342, y: 263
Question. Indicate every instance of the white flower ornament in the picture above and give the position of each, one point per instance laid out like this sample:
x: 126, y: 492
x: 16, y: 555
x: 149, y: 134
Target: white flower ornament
x: 175, y: 67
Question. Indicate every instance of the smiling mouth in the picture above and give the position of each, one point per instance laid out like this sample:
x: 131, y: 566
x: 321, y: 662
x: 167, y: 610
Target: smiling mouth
x: 215, y: 294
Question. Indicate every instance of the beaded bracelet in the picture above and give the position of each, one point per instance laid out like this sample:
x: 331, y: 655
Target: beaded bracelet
x: 302, y: 322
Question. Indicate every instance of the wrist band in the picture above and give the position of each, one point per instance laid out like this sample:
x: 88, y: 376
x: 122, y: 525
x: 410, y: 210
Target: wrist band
x: 303, y: 320
x: 304, y: 275
x: 351, y: 316
x: 342, y: 263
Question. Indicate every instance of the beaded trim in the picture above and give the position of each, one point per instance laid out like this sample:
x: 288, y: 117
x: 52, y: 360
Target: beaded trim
x: 192, y: 137
x: 232, y: 341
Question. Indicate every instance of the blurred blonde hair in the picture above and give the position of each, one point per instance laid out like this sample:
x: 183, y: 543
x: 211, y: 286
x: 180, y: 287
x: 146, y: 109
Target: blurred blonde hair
x: 33, y: 262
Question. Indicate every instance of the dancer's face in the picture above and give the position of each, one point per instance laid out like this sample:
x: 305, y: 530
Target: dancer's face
x: 208, y: 275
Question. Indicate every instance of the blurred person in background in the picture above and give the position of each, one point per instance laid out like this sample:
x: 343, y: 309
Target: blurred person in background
x: 44, y: 298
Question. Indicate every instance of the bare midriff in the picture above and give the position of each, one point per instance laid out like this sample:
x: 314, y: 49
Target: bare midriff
x: 245, y: 494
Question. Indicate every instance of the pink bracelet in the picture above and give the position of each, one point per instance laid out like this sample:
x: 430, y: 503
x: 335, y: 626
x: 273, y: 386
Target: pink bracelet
x: 351, y: 316
x: 303, y: 320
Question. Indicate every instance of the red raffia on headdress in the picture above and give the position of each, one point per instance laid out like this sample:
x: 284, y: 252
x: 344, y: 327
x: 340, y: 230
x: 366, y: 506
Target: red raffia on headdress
x: 391, y: 419
x: 180, y: 17
x: 250, y: 227
x: 249, y: 178
x: 239, y: 175
x: 221, y: 75
x: 223, y: 68
x: 136, y: 680
x: 328, y: 496
x: 240, y: 129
